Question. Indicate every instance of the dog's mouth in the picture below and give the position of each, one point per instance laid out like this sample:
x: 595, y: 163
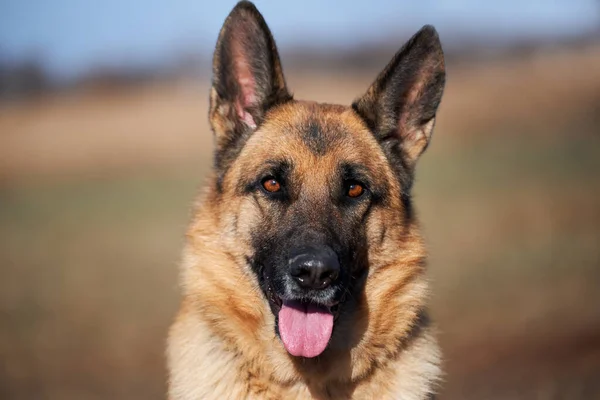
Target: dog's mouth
x: 305, y: 327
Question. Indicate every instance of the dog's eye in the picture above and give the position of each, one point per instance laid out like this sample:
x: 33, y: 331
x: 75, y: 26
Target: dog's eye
x: 271, y: 185
x: 354, y: 189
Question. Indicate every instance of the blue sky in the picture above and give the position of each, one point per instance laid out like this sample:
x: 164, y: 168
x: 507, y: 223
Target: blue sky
x: 70, y: 36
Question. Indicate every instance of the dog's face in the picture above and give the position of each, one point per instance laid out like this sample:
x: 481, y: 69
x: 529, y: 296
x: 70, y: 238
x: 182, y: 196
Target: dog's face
x: 306, y: 182
x: 315, y: 189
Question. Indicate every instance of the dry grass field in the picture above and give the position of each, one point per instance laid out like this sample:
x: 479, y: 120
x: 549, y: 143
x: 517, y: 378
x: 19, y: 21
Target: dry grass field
x: 96, y: 188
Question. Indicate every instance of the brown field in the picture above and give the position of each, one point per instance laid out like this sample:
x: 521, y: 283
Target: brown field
x: 96, y: 187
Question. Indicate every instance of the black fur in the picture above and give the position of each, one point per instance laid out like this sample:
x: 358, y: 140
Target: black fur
x: 315, y: 139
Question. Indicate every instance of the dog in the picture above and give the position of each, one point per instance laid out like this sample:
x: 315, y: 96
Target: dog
x: 303, y: 272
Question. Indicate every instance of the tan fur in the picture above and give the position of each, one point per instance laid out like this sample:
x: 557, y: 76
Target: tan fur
x: 222, y: 344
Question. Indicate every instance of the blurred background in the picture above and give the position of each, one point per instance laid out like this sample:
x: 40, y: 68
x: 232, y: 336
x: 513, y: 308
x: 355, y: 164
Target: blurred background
x: 104, y: 142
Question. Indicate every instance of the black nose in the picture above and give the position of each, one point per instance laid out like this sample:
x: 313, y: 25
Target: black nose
x: 315, y: 268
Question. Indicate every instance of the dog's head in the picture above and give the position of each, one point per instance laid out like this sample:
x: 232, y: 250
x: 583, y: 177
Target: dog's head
x: 316, y: 194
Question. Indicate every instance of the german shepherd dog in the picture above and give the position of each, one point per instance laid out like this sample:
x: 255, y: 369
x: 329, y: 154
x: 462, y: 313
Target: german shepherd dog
x: 303, y: 270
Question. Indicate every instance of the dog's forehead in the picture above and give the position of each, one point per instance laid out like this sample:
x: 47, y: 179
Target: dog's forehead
x: 319, y: 128
x: 317, y: 140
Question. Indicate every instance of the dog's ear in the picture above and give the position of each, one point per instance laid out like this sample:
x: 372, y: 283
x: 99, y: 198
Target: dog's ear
x: 247, y: 80
x: 401, y: 104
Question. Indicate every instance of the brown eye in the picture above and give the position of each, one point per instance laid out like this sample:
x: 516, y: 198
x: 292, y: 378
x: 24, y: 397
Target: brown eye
x: 271, y: 185
x: 354, y: 189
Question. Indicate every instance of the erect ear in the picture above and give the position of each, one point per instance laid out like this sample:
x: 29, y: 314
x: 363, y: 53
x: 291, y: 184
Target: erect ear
x: 400, y: 105
x: 247, y: 80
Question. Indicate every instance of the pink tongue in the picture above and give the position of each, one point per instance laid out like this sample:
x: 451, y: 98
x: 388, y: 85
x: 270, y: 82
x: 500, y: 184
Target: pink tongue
x: 305, y: 329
